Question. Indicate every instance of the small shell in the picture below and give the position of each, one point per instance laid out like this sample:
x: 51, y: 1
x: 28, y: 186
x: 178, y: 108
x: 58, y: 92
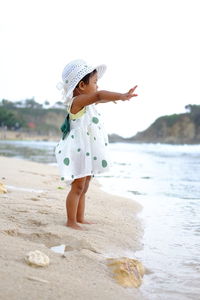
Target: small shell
x: 2, y: 188
x: 37, y: 258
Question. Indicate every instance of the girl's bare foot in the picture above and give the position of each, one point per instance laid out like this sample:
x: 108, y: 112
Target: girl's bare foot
x: 85, y: 222
x: 73, y: 225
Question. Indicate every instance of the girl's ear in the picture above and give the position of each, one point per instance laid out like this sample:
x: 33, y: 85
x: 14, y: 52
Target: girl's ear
x: 81, y: 85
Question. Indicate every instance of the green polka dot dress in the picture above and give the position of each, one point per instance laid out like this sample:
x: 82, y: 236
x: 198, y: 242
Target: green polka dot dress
x: 83, y: 152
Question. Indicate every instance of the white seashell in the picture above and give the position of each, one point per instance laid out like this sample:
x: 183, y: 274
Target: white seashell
x: 37, y: 258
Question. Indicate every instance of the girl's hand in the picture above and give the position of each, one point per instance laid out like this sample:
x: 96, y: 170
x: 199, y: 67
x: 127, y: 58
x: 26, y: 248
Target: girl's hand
x: 129, y: 95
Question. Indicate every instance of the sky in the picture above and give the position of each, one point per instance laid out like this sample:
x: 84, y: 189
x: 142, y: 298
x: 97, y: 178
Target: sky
x: 151, y: 43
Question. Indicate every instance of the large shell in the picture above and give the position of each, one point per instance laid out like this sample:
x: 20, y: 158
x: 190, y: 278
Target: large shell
x: 128, y: 272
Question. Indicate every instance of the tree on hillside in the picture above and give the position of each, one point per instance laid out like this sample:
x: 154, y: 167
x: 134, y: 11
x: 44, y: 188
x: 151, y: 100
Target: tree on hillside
x: 31, y: 103
x: 193, y: 108
x: 7, y: 118
x: 7, y: 103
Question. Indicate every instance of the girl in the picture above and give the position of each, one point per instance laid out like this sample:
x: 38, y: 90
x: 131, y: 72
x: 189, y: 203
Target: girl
x: 82, y: 152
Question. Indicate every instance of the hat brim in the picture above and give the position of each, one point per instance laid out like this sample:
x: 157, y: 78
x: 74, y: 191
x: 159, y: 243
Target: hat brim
x: 100, y: 70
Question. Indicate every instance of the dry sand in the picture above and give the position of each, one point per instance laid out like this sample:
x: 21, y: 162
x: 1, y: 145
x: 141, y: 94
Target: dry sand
x: 32, y: 217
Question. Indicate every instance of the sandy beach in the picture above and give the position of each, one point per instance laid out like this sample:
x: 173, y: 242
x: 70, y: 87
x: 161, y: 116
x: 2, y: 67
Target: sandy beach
x: 11, y: 135
x: 33, y: 217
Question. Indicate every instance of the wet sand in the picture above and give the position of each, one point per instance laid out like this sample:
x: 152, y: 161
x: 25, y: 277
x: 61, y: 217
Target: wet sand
x: 33, y: 217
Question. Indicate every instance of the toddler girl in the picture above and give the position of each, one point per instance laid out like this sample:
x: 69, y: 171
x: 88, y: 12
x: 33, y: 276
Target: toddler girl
x: 82, y: 153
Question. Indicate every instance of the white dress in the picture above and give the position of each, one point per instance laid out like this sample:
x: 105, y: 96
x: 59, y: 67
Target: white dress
x: 83, y: 152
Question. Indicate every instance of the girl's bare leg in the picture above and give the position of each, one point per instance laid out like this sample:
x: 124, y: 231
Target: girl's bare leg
x: 72, y: 202
x: 81, y: 204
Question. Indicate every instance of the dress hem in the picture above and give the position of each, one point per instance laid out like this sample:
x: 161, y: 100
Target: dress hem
x: 69, y: 181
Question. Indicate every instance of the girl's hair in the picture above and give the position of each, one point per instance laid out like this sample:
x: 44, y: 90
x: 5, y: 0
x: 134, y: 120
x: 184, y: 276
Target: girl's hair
x: 86, y: 78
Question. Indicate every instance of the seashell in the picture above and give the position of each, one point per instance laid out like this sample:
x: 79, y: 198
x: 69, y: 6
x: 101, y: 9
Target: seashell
x: 2, y: 188
x: 37, y: 258
x: 128, y: 272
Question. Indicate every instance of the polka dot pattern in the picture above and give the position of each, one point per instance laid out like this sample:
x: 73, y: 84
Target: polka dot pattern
x: 95, y: 120
x: 104, y: 163
x: 83, y: 151
x: 66, y: 161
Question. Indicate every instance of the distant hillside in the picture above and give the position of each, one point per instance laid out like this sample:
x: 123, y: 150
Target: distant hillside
x: 34, y: 119
x: 114, y: 138
x: 175, y: 129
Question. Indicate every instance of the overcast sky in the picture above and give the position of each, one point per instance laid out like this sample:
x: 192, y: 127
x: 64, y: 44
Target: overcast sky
x: 151, y: 43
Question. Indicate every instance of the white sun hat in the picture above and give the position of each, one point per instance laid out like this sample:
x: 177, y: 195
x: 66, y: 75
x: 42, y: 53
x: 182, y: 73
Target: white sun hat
x: 74, y: 72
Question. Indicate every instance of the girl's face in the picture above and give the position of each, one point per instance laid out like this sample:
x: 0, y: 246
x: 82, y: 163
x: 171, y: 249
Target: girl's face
x: 92, y: 86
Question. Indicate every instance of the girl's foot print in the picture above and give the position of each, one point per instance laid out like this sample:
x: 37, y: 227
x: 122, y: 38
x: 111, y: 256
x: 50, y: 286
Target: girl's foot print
x: 74, y: 225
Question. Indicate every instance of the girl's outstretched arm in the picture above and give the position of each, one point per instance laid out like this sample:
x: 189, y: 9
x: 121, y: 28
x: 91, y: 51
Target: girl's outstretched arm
x: 87, y: 99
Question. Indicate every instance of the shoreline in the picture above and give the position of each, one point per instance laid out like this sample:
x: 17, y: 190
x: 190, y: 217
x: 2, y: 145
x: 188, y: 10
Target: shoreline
x: 14, y: 136
x: 33, y: 217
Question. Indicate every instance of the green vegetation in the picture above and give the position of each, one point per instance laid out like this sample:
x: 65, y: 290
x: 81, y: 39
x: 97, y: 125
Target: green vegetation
x: 9, y: 119
x: 193, y: 111
x: 31, y: 116
x: 169, y: 120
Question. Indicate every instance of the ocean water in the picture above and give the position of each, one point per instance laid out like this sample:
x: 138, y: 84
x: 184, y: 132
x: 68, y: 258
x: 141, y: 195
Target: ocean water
x: 165, y: 180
